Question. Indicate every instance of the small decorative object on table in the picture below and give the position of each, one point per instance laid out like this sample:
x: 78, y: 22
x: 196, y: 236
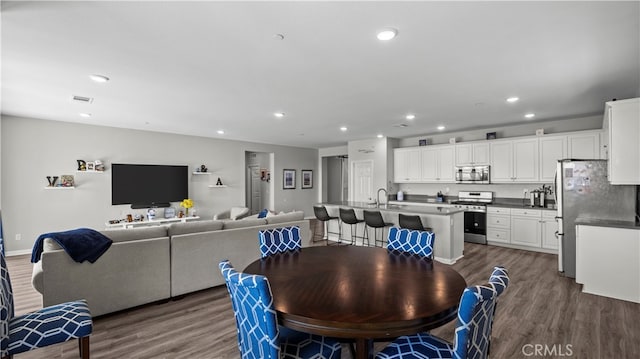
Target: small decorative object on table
x: 219, y: 182
x: 540, y: 132
x: 203, y: 168
x: 452, y: 140
x: 82, y: 165
x: 423, y: 142
x: 67, y: 181
x: 491, y: 136
x: 169, y: 212
x: 151, y: 214
x: 52, y: 180
x: 91, y: 166
x: 99, y: 166
x: 186, y: 204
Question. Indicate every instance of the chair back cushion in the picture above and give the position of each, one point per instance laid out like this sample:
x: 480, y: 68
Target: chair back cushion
x: 499, y: 279
x: 410, y: 222
x: 348, y: 215
x: 321, y: 213
x: 406, y: 240
x: 373, y: 219
x: 475, y: 318
x: 6, y: 307
x: 279, y: 240
x: 255, y: 316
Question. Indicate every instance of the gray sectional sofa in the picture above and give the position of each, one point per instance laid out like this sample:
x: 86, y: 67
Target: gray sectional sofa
x: 145, y: 265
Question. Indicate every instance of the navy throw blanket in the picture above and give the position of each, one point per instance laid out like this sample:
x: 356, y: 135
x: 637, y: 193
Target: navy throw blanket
x: 81, y: 244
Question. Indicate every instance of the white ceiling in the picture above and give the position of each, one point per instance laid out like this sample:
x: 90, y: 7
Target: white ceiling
x: 194, y: 68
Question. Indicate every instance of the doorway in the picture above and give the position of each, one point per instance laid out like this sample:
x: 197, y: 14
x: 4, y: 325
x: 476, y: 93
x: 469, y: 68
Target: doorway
x: 337, y: 179
x: 259, y: 191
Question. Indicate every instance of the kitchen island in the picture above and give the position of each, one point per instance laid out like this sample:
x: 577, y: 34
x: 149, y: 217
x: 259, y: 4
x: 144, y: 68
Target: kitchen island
x: 608, y: 258
x: 447, y: 224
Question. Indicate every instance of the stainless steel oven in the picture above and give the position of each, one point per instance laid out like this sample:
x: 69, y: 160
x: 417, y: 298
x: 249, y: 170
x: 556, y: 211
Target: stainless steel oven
x: 475, y: 214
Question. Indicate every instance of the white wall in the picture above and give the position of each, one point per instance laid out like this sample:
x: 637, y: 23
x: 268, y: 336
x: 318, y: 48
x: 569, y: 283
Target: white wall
x: 32, y: 149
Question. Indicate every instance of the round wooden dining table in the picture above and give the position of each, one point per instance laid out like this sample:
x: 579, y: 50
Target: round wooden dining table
x: 360, y: 293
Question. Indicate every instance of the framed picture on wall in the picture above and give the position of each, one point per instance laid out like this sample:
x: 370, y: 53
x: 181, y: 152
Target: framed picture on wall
x: 289, y: 179
x: 307, y: 179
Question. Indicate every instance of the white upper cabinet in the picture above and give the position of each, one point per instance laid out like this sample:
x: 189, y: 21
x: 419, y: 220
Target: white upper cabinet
x: 438, y: 164
x: 623, y: 121
x: 472, y: 154
x: 406, y: 165
x: 514, y: 161
x: 552, y: 149
x: 584, y: 146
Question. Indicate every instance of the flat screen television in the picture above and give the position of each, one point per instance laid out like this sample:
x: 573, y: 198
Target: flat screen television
x: 144, y: 186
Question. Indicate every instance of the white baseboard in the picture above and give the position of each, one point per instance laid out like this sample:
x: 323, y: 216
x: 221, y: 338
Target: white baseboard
x: 18, y: 253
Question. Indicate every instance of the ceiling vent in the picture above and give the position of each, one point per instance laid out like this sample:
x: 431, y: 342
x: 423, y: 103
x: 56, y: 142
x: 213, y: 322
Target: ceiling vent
x: 82, y: 99
x: 402, y: 125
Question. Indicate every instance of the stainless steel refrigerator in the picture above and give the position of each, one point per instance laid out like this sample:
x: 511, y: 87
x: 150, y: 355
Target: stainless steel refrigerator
x: 583, y: 191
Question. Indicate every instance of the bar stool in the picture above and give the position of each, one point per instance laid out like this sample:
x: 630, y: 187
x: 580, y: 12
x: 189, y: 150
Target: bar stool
x: 348, y: 216
x: 374, y: 220
x: 323, y: 216
x: 412, y: 222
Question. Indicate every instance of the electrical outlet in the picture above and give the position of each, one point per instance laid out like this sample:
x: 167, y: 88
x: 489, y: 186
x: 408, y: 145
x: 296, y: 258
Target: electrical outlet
x: 18, y: 237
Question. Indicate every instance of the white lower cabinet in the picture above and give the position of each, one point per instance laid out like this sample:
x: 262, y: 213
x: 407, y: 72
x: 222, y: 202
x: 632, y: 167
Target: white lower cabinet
x: 522, y: 227
x: 525, y: 227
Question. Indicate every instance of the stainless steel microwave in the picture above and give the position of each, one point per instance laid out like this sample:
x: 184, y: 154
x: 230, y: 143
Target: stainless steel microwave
x: 473, y: 174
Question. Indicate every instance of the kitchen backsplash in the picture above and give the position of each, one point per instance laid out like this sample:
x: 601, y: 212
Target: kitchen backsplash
x: 515, y: 190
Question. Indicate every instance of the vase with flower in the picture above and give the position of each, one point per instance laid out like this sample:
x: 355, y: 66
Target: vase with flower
x: 186, y: 204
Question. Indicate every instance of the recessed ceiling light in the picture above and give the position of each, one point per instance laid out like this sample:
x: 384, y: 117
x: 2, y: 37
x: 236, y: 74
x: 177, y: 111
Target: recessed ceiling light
x: 440, y: 128
x: 99, y: 78
x: 279, y: 114
x: 85, y: 115
x: 513, y: 99
x: 530, y: 115
x: 410, y: 117
x: 343, y: 128
x: 220, y: 132
x: 380, y: 135
x: 387, y: 34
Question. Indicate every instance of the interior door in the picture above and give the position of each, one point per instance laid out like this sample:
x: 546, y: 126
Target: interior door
x: 255, y: 202
x: 362, y: 181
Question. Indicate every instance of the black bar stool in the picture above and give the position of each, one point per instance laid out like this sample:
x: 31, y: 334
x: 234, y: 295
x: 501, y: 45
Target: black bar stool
x: 348, y: 216
x: 412, y: 222
x: 374, y: 220
x: 323, y: 216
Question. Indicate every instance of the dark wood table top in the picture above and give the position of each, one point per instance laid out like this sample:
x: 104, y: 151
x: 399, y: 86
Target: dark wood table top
x: 362, y: 293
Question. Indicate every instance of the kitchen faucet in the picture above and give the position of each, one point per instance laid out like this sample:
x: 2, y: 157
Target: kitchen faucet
x: 378, y: 196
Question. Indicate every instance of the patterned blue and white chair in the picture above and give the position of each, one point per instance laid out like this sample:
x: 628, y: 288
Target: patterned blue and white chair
x: 473, y: 330
x: 278, y: 240
x: 259, y: 336
x: 406, y: 240
x: 51, y: 325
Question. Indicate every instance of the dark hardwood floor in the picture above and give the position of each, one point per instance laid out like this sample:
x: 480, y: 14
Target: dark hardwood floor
x: 540, y: 310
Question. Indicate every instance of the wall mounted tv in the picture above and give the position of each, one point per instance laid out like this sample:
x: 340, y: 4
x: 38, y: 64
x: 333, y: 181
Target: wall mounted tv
x: 144, y: 186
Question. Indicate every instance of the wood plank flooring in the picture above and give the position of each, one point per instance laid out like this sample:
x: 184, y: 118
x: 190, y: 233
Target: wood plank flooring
x: 539, y: 307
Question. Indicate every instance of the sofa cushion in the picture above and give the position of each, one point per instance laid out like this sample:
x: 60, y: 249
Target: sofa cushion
x: 238, y: 212
x: 194, y: 227
x: 132, y: 234
x: 286, y: 217
x: 263, y: 213
x: 230, y: 224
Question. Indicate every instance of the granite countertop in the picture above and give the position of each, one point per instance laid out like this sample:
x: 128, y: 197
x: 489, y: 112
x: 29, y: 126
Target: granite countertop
x: 607, y: 223
x: 522, y: 204
x: 400, y: 208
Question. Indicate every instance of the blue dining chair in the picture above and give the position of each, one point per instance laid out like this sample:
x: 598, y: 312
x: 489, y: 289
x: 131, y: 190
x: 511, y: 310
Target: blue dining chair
x: 51, y: 325
x: 407, y: 240
x: 473, y: 330
x: 278, y: 240
x: 259, y: 335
